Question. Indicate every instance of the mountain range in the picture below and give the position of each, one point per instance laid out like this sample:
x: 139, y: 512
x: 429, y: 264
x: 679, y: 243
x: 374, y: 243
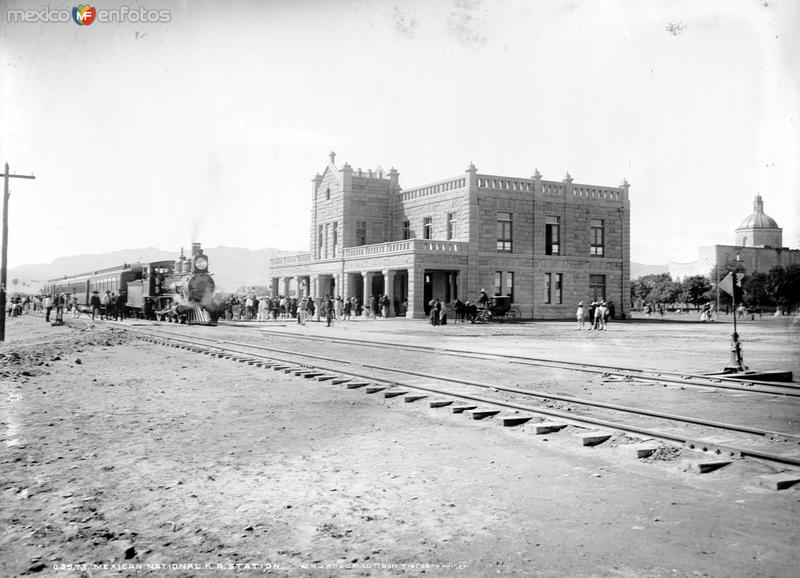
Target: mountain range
x: 232, y: 267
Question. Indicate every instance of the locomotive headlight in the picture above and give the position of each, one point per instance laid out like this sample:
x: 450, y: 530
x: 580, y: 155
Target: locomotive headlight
x: 201, y: 263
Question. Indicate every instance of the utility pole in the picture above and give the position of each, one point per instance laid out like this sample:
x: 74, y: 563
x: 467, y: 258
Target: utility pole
x: 4, y: 269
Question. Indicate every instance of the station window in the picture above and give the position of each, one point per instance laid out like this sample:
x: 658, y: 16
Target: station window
x: 361, y: 233
x: 552, y: 234
x: 319, y: 242
x: 427, y: 228
x: 557, y: 296
x: 547, y: 281
x: 498, y: 282
x: 597, y: 287
x: 510, y: 285
x: 597, y: 237
x: 452, y: 225
x: 377, y: 232
x: 504, y: 232
x: 328, y: 194
x: 335, y: 237
x: 325, y: 239
x: 406, y: 230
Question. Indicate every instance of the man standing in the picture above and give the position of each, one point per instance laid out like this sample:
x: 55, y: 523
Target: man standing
x: 579, y: 315
x: 104, y: 302
x: 48, y: 307
x: 327, y: 309
x: 338, y: 306
x: 96, y: 304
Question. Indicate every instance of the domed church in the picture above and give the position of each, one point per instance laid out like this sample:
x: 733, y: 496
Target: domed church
x: 759, y: 229
x: 758, y: 247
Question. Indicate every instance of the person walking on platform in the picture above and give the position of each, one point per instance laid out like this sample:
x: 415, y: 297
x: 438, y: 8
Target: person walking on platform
x: 580, y: 315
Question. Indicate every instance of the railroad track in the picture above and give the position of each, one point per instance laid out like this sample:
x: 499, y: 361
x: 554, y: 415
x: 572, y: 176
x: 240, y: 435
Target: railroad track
x: 376, y: 378
x: 623, y: 373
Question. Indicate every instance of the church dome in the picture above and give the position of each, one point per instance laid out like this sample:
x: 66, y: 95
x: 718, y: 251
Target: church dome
x: 758, y: 219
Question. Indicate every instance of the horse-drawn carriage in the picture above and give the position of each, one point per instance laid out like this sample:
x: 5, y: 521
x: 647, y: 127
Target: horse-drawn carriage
x: 498, y: 308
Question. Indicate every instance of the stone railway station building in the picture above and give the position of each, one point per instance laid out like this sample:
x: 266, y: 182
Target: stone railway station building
x: 547, y: 244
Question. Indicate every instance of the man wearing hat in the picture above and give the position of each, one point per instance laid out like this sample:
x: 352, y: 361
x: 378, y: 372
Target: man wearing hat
x: 106, y: 302
x: 579, y: 315
x: 95, y: 303
x: 483, y: 300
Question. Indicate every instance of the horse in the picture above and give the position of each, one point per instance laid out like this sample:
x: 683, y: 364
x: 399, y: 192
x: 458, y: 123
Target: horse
x: 464, y: 311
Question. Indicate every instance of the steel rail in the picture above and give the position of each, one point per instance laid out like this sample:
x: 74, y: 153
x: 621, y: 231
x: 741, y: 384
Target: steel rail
x: 645, y: 374
x: 524, y: 392
x: 689, y: 442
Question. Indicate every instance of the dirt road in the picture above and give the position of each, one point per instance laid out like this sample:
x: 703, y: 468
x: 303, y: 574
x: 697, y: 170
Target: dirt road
x: 124, y: 458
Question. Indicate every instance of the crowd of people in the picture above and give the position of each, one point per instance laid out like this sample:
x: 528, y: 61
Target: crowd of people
x: 52, y: 306
x: 599, y: 313
x: 254, y: 308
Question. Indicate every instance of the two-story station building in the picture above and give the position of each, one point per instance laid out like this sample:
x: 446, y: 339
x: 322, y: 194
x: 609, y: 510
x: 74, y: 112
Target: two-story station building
x: 547, y: 244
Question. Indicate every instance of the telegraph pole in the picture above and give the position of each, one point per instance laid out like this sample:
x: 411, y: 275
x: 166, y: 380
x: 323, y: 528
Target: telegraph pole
x: 4, y: 269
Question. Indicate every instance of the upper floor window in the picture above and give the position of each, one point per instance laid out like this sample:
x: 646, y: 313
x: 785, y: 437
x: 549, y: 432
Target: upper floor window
x: 328, y: 194
x: 427, y: 228
x: 335, y: 237
x: 452, y: 226
x: 597, y: 237
x: 320, y: 235
x: 406, y: 230
x: 504, y: 232
x: 361, y: 233
x: 552, y: 235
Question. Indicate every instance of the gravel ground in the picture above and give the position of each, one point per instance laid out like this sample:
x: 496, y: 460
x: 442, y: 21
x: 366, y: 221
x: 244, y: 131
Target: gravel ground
x: 125, y: 458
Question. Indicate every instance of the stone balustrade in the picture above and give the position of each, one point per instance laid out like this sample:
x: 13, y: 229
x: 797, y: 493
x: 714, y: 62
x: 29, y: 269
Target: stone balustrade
x: 407, y: 246
x: 291, y: 259
x: 433, y: 189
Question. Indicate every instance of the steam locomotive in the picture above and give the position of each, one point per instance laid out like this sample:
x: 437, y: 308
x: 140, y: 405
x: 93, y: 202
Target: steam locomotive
x: 180, y: 290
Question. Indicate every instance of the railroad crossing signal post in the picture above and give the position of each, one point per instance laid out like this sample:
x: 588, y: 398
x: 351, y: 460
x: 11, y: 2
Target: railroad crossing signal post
x: 4, y: 269
x: 730, y: 284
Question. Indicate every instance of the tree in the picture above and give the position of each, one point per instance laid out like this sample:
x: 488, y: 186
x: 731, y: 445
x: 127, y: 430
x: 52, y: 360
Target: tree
x: 756, y: 290
x: 696, y: 289
x: 783, y: 284
x: 659, y: 288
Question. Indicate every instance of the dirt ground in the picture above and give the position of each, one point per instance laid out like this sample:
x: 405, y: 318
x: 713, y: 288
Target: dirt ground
x: 124, y: 458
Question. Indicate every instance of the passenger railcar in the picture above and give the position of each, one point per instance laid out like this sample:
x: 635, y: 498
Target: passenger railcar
x: 180, y: 290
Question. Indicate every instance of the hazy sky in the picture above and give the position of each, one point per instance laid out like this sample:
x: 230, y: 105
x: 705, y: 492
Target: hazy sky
x: 210, y: 127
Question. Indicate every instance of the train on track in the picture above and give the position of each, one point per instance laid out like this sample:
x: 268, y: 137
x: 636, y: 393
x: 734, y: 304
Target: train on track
x: 179, y: 291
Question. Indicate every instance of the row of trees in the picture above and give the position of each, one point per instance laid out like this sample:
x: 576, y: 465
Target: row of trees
x: 778, y: 288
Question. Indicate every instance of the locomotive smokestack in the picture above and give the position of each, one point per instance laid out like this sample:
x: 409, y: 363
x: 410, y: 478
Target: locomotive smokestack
x: 195, y: 249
